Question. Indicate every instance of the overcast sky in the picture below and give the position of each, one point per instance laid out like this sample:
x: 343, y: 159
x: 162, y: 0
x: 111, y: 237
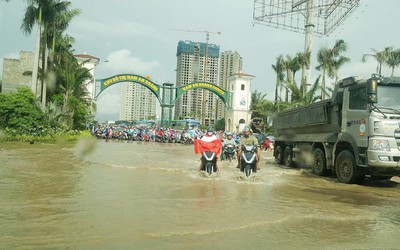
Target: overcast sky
x: 137, y: 36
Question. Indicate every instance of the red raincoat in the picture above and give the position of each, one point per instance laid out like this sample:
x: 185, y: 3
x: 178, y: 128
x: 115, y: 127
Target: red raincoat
x: 213, y: 146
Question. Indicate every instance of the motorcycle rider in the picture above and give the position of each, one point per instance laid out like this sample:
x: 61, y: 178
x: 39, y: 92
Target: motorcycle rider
x: 228, y: 140
x: 209, y: 137
x: 248, y: 139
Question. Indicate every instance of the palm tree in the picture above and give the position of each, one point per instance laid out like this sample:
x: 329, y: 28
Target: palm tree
x: 380, y: 57
x: 393, y: 60
x: 279, y: 69
x: 300, y: 97
x: 330, y: 60
x: 304, y: 60
x: 52, y: 17
x: 76, y: 101
x: 60, y: 23
x: 257, y: 98
x: 291, y: 65
x: 64, y: 49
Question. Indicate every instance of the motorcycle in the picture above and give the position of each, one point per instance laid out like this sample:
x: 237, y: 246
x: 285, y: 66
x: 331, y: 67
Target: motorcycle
x: 229, y: 152
x: 162, y: 138
x: 209, y: 161
x: 186, y: 139
x: 248, y: 160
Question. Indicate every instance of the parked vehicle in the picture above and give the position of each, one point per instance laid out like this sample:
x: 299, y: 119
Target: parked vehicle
x: 353, y: 134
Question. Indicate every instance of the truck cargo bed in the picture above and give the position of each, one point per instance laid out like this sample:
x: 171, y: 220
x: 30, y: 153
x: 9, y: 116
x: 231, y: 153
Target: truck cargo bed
x: 319, y: 117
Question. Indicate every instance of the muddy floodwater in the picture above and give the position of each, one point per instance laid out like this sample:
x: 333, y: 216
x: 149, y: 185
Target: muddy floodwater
x: 133, y: 195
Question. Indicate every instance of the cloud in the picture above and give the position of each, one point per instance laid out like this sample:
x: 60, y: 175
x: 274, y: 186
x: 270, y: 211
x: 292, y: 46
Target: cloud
x: 122, y: 61
x: 119, y: 62
x: 108, y: 104
x: 112, y: 28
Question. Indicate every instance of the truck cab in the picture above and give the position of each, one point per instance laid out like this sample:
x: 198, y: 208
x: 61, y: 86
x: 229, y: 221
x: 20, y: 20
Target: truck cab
x: 371, y: 124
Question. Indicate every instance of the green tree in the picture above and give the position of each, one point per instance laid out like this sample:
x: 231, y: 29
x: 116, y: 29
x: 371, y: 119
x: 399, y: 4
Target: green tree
x: 280, y: 75
x: 304, y: 60
x: 220, y: 125
x: 379, y: 56
x: 300, y: 97
x: 257, y: 99
x: 19, y: 110
x: 75, y: 97
x: 267, y: 110
x: 393, y: 60
x: 291, y: 65
x: 52, y: 18
x: 52, y: 114
x: 330, y: 60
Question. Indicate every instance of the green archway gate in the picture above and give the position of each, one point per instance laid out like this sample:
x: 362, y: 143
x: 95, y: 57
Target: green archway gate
x: 166, y: 94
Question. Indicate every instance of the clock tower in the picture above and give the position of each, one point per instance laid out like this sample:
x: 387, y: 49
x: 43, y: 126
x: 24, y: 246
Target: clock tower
x: 239, y: 114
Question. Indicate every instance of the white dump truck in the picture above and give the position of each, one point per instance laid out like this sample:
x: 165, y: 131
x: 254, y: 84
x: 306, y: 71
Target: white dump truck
x: 354, y: 134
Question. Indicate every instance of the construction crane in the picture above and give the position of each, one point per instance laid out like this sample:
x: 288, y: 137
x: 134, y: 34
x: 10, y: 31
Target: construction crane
x: 205, y: 67
x: 201, y: 31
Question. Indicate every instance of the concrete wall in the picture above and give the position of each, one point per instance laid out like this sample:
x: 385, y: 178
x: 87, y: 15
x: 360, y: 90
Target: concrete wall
x: 17, y: 72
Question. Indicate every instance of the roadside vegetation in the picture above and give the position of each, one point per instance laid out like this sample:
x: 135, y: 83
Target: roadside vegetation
x: 63, y: 109
x: 291, y: 91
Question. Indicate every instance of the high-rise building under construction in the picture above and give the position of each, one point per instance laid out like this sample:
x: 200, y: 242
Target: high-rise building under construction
x: 231, y: 63
x: 197, y: 61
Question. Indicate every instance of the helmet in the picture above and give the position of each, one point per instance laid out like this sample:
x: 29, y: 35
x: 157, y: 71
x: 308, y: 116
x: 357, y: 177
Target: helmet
x: 228, y: 134
x: 210, y: 129
x: 246, y: 129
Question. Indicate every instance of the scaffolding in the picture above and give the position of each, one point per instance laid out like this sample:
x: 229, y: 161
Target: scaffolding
x: 292, y: 14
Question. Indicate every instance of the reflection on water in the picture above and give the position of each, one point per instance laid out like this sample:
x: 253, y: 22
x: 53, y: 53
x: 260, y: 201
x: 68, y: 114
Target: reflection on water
x: 152, y: 196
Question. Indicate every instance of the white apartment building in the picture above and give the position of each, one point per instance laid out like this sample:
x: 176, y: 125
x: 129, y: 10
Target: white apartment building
x: 191, y: 62
x: 137, y: 102
x: 230, y: 64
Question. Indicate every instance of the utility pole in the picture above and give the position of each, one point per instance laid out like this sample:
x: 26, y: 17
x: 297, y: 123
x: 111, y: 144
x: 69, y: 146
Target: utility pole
x: 308, y: 42
x: 205, y: 71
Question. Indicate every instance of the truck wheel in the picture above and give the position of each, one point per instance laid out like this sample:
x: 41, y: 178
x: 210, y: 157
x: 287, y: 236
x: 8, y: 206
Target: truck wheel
x: 346, y: 169
x: 288, y: 157
x: 279, y: 155
x: 319, y: 163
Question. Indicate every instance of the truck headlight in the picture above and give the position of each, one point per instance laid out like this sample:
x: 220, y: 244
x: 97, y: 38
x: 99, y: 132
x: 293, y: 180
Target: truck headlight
x: 380, y: 145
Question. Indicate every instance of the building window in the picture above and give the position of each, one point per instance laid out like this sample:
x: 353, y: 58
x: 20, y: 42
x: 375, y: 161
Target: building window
x: 242, y: 87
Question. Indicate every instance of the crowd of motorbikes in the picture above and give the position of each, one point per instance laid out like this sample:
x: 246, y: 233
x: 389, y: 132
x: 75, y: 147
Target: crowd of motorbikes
x: 148, y: 134
x: 170, y: 135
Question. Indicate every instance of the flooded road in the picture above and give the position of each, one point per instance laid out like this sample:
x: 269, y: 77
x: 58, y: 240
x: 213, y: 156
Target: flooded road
x: 132, y: 195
